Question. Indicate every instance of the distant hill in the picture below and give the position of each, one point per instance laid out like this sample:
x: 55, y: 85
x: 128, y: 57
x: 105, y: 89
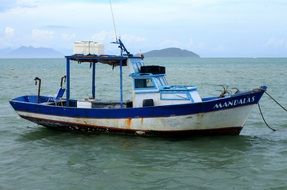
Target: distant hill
x: 30, y: 52
x: 170, y: 52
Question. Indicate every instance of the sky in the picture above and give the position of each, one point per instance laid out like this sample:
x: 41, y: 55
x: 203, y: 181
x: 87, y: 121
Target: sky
x: 210, y: 28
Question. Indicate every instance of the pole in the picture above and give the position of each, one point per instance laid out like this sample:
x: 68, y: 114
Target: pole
x: 39, y: 87
x: 68, y: 81
x: 121, y: 77
x: 121, y: 82
x: 94, y: 81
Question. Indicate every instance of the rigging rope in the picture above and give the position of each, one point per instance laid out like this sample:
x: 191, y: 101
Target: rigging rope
x: 114, y: 23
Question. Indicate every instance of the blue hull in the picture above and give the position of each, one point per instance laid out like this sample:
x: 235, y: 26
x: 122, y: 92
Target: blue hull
x: 28, y: 104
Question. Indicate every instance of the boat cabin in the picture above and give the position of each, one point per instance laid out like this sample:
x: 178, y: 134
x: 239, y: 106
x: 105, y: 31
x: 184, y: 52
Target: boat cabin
x: 150, y: 87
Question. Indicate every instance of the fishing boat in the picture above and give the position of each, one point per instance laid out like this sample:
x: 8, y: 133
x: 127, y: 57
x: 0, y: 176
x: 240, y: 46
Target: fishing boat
x: 156, y: 108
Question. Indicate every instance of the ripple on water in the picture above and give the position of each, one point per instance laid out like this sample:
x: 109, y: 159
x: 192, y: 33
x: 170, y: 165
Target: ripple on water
x: 33, y: 157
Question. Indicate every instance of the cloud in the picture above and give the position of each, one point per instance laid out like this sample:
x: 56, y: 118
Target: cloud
x: 26, y: 3
x: 219, y: 48
x: 68, y: 36
x: 56, y: 27
x: 7, y: 4
x: 11, y: 4
x: 104, y: 36
x: 239, y: 25
x: 7, y: 37
x: 9, y: 32
x: 132, y: 38
x: 170, y: 43
x: 109, y: 36
x: 276, y: 43
x: 42, y: 34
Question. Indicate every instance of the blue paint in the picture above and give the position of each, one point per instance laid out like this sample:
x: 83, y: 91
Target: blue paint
x: 68, y: 81
x: 94, y: 81
x: 21, y: 104
x: 59, y: 95
x: 121, y: 75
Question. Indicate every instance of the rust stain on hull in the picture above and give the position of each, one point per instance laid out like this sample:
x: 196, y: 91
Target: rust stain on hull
x: 128, y: 123
x: 60, y: 125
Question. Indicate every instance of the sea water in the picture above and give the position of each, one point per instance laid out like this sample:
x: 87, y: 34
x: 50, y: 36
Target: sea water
x: 33, y: 157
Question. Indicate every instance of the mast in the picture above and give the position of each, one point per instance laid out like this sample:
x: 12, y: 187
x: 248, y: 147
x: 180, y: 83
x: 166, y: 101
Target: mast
x: 123, y: 49
x: 68, y: 81
x: 114, y: 23
x: 94, y: 80
x: 121, y: 76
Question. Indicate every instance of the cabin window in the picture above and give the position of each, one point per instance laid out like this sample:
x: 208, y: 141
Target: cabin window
x: 144, y: 83
x: 175, y: 95
x: 162, y: 81
x: 157, y: 81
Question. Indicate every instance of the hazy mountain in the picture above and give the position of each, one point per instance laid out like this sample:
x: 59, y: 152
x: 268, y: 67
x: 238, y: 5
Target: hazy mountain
x: 30, y: 52
x: 170, y: 52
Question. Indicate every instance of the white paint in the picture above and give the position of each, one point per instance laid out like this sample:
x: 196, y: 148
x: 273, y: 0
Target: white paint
x: 195, y: 96
x: 235, y: 117
x: 84, y: 104
x: 138, y: 98
x: 167, y: 99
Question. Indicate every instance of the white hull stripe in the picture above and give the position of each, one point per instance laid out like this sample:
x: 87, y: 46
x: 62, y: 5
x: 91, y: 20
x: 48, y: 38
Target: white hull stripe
x: 204, y: 121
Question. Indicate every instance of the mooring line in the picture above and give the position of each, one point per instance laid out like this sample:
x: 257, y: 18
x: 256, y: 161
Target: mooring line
x: 276, y: 101
x: 264, y: 118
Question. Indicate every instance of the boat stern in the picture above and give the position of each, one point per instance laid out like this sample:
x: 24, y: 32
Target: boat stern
x: 22, y: 102
x: 33, y: 99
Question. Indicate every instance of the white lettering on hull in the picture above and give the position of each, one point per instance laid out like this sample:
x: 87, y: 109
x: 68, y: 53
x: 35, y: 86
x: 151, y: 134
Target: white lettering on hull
x: 235, y: 102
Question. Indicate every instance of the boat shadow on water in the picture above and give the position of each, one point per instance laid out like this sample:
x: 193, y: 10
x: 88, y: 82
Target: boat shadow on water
x: 39, y: 132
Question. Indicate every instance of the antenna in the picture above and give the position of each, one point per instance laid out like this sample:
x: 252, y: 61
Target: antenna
x: 115, y: 30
